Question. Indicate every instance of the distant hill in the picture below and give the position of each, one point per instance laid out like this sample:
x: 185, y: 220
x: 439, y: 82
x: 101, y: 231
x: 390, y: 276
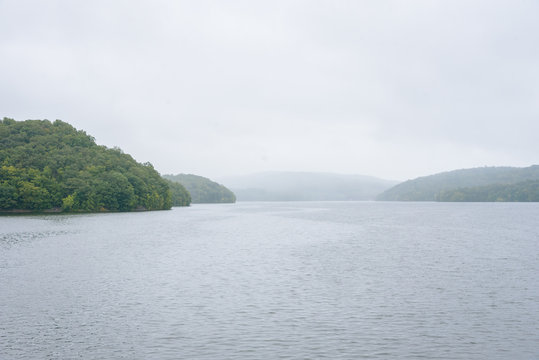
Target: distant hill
x: 51, y: 166
x: 202, y: 189
x: 305, y: 186
x: 477, y: 184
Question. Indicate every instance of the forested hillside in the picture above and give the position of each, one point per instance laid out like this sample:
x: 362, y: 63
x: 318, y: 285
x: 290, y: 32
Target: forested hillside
x: 477, y: 184
x: 51, y: 165
x: 202, y: 189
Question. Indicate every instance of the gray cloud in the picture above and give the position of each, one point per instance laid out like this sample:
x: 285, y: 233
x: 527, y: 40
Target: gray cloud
x: 387, y: 88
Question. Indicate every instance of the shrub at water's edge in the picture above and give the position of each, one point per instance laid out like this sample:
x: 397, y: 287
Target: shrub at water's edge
x: 203, y: 190
x: 53, y: 166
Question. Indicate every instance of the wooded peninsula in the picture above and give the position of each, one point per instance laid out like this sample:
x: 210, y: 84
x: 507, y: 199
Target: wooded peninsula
x: 51, y: 166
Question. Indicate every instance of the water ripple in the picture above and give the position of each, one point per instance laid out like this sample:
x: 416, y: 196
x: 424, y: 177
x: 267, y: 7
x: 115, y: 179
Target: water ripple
x: 274, y: 281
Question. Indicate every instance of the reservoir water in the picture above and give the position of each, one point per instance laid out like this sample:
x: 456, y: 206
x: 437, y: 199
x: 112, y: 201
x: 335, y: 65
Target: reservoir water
x: 298, y: 280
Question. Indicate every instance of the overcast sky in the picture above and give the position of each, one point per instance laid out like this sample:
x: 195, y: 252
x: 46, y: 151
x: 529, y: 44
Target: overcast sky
x: 394, y: 89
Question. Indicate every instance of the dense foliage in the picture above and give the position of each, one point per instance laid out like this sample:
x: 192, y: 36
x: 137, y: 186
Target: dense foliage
x: 523, y: 191
x: 46, y: 165
x: 480, y: 183
x: 202, y: 189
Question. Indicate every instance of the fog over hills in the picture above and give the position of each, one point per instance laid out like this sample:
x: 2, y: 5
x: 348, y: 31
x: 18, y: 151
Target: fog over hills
x: 305, y: 186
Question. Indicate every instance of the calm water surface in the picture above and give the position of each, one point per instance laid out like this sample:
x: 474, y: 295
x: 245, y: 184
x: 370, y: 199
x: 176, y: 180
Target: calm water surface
x: 315, y: 280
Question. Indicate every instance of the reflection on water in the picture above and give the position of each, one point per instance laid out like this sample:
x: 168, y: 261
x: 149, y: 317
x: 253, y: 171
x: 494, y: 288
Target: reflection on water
x: 342, y: 280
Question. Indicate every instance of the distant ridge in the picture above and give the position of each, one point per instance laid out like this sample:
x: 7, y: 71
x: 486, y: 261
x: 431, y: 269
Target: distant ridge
x: 476, y: 184
x: 305, y: 186
x: 203, y: 190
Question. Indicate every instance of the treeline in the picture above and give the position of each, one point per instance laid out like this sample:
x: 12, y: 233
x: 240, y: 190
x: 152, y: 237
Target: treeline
x: 526, y: 191
x: 203, y: 190
x: 52, y: 165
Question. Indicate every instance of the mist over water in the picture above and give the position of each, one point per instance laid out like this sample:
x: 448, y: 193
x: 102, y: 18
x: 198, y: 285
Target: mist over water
x: 336, y: 280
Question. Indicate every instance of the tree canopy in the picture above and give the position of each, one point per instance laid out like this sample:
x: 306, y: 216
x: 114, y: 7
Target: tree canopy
x: 46, y: 165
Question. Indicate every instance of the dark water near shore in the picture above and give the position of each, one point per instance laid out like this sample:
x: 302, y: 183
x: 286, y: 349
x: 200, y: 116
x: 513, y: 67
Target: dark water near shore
x: 343, y: 280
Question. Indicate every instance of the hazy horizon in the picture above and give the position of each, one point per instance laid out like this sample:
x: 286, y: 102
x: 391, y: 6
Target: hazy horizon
x: 389, y: 89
